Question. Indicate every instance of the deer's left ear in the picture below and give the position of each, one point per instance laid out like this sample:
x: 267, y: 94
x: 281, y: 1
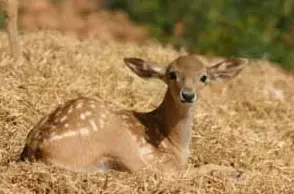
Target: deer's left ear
x: 226, y: 69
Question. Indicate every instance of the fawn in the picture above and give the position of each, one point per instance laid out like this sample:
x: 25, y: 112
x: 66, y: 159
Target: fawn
x: 88, y: 135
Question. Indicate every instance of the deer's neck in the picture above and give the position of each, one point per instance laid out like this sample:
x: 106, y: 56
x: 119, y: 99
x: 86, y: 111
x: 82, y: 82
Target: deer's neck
x: 172, y: 121
x: 176, y: 120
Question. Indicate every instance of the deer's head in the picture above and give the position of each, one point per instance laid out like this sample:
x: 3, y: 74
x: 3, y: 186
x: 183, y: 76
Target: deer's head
x: 186, y: 75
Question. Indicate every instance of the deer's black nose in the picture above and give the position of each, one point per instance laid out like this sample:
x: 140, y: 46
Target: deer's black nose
x: 187, y: 95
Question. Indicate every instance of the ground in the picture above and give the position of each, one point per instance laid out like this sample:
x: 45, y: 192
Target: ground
x: 246, y: 123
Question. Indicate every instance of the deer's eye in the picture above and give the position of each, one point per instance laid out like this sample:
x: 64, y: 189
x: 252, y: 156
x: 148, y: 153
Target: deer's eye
x: 172, y: 75
x: 203, y: 78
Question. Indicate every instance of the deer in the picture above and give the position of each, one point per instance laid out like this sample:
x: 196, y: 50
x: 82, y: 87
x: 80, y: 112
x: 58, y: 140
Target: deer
x: 87, y: 135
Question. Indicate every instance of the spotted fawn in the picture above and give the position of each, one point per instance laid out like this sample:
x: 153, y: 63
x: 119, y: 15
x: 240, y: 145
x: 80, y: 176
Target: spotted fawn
x: 88, y: 135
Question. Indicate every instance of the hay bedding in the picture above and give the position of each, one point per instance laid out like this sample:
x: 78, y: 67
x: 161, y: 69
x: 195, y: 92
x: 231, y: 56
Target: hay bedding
x: 246, y: 123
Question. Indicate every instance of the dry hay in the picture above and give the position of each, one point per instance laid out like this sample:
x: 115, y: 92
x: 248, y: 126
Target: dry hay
x: 246, y: 123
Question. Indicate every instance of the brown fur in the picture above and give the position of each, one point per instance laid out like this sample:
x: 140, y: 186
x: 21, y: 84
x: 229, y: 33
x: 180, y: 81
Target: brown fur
x: 86, y: 135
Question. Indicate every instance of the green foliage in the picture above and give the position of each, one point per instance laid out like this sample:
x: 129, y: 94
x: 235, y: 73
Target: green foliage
x: 2, y: 19
x: 248, y: 28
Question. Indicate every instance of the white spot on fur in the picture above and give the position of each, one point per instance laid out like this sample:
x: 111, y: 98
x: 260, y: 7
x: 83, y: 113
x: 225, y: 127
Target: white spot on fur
x: 70, y: 109
x: 88, y: 113
x: 63, y: 135
x: 63, y: 118
x: 66, y: 125
x: 146, y: 150
x: 93, y: 124
x: 103, y: 116
x: 83, y: 116
x: 93, y: 106
x: 79, y: 105
x: 164, y: 144
x: 84, y: 131
x: 101, y: 123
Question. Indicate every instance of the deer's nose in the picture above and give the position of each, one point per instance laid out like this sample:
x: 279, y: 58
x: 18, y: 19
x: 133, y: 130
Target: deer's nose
x: 187, y: 95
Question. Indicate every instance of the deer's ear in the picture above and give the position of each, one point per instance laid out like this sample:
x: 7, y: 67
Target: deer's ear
x: 145, y: 69
x: 226, y: 69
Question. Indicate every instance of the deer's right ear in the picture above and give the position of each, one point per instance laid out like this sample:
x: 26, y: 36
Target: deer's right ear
x: 145, y: 69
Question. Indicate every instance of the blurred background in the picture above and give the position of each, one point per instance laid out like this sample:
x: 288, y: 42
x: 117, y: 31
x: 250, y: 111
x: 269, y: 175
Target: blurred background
x: 245, y: 28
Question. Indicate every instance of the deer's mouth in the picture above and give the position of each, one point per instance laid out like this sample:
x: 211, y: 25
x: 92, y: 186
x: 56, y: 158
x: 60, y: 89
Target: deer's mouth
x: 187, y: 101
